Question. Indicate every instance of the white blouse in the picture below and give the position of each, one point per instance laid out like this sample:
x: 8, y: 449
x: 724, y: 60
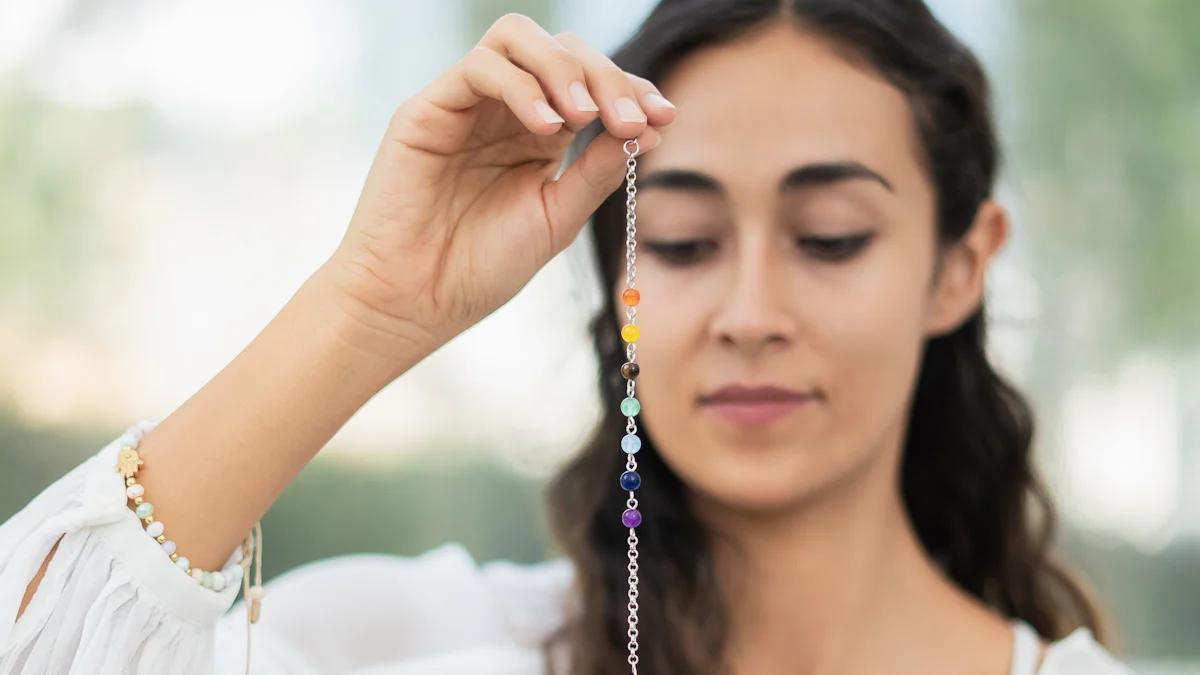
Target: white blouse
x: 112, y: 603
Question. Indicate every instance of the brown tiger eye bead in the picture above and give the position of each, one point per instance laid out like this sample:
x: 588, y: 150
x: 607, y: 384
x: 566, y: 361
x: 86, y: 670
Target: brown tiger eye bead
x: 630, y: 370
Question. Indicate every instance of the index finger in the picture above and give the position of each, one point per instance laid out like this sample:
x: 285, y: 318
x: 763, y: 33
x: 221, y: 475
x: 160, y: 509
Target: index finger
x: 608, y: 82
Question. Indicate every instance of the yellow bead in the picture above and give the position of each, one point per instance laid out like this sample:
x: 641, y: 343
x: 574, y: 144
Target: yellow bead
x: 162, y: 539
x: 631, y: 333
x: 149, y: 519
x: 137, y: 500
x: 174, y: 557
x: 130, y: 481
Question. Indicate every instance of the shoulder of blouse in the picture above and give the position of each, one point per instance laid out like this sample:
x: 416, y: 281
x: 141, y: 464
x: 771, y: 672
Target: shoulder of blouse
x: 1080, y: 654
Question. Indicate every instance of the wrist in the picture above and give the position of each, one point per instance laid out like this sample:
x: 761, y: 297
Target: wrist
x: 381, y: 342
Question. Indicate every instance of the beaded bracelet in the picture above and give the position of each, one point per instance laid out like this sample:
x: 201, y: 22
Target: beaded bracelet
x: 235, y: 572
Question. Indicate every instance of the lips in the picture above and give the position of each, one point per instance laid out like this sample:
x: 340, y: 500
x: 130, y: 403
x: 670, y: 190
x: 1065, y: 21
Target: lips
x: 749, y: 405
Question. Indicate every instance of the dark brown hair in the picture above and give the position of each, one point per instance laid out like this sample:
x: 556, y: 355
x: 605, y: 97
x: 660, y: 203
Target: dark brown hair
x: 967, y: 477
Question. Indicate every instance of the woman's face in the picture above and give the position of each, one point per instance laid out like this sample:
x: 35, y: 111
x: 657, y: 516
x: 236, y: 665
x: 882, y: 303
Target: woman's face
x: 786, y: 264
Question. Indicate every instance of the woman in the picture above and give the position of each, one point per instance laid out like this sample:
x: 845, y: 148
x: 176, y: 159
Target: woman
x: 837, y: 481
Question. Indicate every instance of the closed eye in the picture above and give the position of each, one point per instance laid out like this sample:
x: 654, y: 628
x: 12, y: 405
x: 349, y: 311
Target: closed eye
x: 836, y: 249
x: 682, y: 252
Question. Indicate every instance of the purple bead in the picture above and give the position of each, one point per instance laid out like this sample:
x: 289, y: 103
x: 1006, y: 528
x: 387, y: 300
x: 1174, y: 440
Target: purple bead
x: 631, y: 518
x: 169, y: 546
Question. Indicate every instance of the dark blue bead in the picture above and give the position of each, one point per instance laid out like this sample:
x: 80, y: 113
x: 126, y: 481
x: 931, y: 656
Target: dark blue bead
x: 630, y: 480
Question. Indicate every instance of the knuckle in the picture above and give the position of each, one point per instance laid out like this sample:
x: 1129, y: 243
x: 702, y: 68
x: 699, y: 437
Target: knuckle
x: 610, y: 69
x: 640, y: 82
x: 513, y: 20
x: 477, y: 56
x: 568, y: 38
x: 564, y: 61
x: 616, y: 78
x: 526, y: 83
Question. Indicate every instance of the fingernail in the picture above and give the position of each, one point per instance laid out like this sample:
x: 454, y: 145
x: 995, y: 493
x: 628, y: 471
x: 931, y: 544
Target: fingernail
x: 547, y: 112
x: 659, y: 102
x: 583, y: 100
x: 628, y: 110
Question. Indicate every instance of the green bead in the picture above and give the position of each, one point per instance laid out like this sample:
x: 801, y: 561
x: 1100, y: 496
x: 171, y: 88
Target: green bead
x: 144, y: 510
x: 630, y: 407
x: 183, y: 563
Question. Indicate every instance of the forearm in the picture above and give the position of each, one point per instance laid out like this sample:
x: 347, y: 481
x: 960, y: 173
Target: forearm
x: 215, y: 465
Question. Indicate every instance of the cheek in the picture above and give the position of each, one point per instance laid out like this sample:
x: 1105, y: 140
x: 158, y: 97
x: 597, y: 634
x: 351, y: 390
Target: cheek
x: 871, y: 335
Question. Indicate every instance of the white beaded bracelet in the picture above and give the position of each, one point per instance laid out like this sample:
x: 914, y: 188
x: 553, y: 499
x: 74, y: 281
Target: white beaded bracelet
x: 237, y: 570
x: 128, y: 464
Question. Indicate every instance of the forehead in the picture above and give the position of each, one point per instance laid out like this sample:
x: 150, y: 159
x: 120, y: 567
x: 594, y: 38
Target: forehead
x: 751, y: 110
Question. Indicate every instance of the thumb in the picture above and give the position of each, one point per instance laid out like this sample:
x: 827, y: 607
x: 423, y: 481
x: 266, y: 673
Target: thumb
x: 580, y: 190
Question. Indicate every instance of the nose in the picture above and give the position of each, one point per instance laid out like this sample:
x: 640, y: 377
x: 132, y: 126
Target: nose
x: 756, y: 311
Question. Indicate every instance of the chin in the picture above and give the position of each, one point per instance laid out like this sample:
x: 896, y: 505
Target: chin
x: 758, y: 481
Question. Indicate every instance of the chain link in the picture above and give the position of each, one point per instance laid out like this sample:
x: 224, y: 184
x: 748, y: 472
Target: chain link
x: 631, y: 149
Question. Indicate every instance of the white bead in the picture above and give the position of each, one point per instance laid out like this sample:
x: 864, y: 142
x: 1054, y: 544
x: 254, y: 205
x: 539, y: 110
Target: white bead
x: 256, y: 593
x: 237, y: 555
x: 135, y: 491
x: 154, y: 529
x: 197, y: 574
x: 218, y: 581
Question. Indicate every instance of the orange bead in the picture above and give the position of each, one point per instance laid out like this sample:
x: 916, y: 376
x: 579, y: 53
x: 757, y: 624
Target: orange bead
x: 631, y: 297
x: 631, y: 333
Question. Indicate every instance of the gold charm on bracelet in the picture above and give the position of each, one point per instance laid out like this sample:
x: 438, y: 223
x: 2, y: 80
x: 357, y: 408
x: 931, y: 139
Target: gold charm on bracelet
x: 129, y: 463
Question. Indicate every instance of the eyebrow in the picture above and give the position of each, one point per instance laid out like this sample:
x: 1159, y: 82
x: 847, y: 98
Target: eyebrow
x: 809, y: 175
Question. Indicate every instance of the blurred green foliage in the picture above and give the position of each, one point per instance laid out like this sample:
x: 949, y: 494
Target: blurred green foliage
x: 1106, y: 165
x: 54, y: 162
x: 482, y: 13
x: 459, y: 495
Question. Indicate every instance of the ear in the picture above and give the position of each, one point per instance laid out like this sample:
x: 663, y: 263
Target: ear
x: 958, y: 289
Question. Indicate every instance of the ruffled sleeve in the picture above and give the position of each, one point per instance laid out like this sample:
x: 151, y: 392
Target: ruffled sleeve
x: 111, y: 602
x: 437, y: 613
x: 1080, y: 654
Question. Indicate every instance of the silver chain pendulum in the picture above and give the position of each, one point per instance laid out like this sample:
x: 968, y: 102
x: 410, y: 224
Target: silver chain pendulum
x: 630, y: 407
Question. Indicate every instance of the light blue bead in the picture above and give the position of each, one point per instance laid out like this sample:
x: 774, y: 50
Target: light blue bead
x: 154, y: 529
x: 631, y: 444
x: 183, y: 563
x: 630, y: 407
x: 236, y: 572
x: 144, y: 510
x: 207, y: 580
